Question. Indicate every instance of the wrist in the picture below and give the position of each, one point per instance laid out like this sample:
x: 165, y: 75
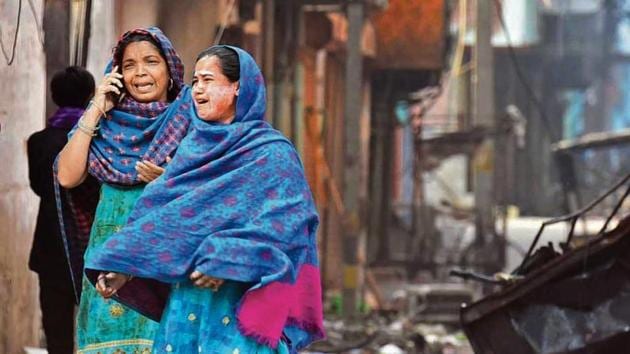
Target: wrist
x: 88, y: 124
x: 99, y: 106
x: 92, y: 115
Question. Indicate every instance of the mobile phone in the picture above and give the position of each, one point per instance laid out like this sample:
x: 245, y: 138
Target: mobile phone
x: 119, y: 97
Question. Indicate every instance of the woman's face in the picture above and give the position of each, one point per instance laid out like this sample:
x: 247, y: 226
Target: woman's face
x: 145, y: 73
x: 213, y: 93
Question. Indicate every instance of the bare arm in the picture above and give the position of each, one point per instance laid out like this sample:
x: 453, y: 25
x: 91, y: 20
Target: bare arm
x: 72, y: 168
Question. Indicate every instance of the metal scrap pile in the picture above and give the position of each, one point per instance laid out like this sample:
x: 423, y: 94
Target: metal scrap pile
x: 577, y: 302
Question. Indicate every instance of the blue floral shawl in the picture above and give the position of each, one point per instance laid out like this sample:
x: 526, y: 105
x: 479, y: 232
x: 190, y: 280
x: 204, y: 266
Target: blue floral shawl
x: 233, y: 204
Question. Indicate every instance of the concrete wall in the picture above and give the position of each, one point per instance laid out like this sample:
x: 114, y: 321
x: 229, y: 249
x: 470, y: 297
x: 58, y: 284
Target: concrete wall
x: 22, y: 106
x: 134, y: 14
x: 103, y: 36
x: 189, y: 36
x: 23, y: 111
x: 56, y: 25
x: 194, y: 34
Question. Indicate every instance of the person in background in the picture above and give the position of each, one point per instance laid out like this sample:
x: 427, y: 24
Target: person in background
x: 71, y: 90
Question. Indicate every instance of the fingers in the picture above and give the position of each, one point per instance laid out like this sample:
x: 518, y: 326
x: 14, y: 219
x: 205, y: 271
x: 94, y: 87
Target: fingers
x: 168, y: 159
x: 113, y: 80
x: 110, y: 89
x: 143, y: 178
x: 153, y: 167
x: 148, y: 171
x: 108, y: 284
x: 145, y: 174
x: 115, y: 281
x: 103, y: 288
x: 111, y: 84
x: 100, y: 283
x: 115, y: 77
x: 114, y: 73
x: 204, y: 281
x: 217, y: 284
x: 195, y: 275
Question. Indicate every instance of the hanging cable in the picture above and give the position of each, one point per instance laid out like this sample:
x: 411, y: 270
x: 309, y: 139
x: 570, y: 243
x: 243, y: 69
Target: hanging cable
x: 7, y: 57
x: 521, y: 77
x: 219, y: 35
x: 38, y: 23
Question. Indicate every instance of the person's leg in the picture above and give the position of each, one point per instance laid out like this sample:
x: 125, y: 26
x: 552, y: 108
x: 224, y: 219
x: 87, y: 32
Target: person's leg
x: 57, y: 306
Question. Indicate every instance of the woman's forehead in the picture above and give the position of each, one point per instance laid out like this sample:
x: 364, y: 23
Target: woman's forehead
x: 142, y: 48
x: 208, y: 65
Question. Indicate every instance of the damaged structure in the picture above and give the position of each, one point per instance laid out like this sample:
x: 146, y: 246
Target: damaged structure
x: 575, y: 302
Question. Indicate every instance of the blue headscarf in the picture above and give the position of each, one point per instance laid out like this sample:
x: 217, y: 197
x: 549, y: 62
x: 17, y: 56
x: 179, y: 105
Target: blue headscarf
x: 233, y: 204
x: 135, y: 131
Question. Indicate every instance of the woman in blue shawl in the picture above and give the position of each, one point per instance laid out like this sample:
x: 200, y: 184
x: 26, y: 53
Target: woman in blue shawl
x: 135, y: 122
x: 230, y: 227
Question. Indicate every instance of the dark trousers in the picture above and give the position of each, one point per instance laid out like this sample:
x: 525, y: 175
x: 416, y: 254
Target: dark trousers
x: 57, y: 303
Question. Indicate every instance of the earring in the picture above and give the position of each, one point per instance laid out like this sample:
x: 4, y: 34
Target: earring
x: 170, y: 85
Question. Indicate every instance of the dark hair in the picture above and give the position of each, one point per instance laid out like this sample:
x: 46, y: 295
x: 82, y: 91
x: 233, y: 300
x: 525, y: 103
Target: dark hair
x: 227, y: 57
x: 132, y: 38
x: 72, y: 87
x: 119, y: 51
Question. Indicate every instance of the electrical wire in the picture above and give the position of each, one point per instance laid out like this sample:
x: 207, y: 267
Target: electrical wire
x: 521, y: 77
x: 38, y: 23
x: 219, y: 35
x: 7, y: 57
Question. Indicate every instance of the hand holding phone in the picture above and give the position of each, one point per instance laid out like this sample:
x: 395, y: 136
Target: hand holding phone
x: 110, y: 91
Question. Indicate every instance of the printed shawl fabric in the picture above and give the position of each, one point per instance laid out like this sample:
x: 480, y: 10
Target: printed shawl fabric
x: 233, y: 204
x: 131, y: 132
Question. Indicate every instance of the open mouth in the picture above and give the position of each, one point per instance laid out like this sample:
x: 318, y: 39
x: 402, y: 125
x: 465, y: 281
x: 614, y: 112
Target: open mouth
x: 144, y: 87
x: 201, y: 100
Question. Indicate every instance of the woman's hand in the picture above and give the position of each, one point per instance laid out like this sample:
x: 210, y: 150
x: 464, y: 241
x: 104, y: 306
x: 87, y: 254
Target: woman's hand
x: 74, y: 156
x: 108, y: 284
x: 148, y: 171
x: 204, y: 281
x: 109, y: 91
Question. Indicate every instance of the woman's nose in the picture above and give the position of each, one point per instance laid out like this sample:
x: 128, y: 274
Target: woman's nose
x: 197, y: 88
x: 140, y: 70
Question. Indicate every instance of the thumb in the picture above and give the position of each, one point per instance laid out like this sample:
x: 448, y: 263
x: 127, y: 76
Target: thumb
x: 168, y: 159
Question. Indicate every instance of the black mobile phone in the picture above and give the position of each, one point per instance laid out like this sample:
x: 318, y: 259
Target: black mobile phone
x: 118, y: 97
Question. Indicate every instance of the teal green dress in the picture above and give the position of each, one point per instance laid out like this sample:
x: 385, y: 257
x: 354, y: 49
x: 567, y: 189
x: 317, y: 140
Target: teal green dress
x: 199, y: 320
x: 105, y: 326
